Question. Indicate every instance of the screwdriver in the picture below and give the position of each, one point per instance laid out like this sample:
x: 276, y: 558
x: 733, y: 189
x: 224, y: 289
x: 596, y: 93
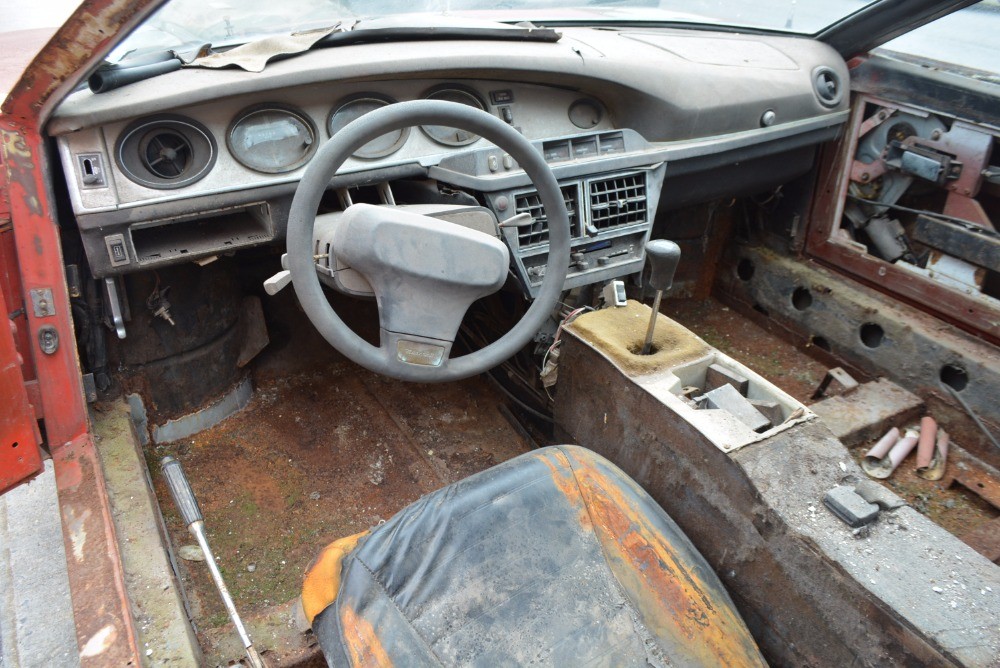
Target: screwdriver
x: 663, y: 256
x: 190, y: 512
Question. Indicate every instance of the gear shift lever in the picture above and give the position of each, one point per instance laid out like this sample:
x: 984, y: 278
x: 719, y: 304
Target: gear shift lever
x: 663, y: 256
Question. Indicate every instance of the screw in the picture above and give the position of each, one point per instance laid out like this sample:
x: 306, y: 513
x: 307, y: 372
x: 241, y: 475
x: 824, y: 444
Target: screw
x: 865, y: 176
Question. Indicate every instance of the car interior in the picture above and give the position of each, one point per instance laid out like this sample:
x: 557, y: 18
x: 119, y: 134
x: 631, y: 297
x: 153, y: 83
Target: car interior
x: 382, y: 285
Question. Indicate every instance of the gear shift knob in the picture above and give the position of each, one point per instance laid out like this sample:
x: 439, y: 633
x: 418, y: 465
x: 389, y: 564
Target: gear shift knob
x: 663, y: 256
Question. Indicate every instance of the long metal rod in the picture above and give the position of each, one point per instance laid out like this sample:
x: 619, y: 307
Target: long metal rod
x: 198, y: 530
x: 652, y: 323
x: 972, y: 414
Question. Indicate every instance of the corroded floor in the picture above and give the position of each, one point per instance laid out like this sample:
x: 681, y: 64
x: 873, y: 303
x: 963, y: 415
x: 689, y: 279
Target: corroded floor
x: 327, y: 449
x: 324, y: 450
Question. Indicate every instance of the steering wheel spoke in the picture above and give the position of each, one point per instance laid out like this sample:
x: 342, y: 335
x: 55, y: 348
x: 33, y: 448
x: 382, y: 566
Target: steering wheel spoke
x: 425, y: 272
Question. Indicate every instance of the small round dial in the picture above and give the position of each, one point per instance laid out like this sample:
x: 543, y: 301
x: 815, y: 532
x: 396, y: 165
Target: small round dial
x: 272, y: 139
x: 586, y: 113
x: 355, y: 107
x: 442, y: 134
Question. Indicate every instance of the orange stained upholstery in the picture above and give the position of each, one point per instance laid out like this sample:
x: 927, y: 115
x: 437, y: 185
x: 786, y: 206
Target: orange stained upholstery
x: 553, y: 558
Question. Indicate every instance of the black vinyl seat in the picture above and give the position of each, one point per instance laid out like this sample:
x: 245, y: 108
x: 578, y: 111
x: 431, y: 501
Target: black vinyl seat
x: 553, y: 558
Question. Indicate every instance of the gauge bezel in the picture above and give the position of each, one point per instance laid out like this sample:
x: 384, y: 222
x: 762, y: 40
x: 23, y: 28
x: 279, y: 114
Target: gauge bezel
x: 358, y: 97
x: 128, y: 150
x: 593, y: 104
x: 273, y: 107
x: 456, y: 88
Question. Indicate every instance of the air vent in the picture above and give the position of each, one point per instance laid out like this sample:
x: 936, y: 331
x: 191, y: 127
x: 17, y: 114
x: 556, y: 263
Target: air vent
x: 538, y: 232
x: 826, y: 82
x: 165, y: 152
x: 618, y: 201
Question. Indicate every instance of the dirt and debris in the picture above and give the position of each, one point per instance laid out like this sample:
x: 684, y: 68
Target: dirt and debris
x: 955, y: 508
x: 791, y: 369
x: 319, y: 454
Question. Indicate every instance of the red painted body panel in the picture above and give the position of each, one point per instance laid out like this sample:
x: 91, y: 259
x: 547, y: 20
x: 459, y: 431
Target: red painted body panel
x: 19, y: 456
x: 31, y: 258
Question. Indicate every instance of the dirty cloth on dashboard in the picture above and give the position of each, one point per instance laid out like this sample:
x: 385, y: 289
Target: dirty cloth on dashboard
x: 254, y: 56
x: 553, y: 557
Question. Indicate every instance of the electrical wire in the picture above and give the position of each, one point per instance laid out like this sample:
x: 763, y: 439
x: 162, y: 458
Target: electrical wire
x: 933, y: 214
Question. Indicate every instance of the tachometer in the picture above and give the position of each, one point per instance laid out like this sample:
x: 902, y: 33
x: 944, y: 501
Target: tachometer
x: 357, y: 106
x: 442, y: 134
x: 272, y: 139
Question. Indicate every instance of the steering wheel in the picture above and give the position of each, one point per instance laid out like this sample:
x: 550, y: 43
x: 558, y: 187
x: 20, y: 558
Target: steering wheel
x: 425, y: 272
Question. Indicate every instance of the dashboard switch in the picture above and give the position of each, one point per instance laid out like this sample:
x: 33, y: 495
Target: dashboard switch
x: 117, y: 252
x: 493, y: 163
x: 507, y: 114
x: 508, y: 162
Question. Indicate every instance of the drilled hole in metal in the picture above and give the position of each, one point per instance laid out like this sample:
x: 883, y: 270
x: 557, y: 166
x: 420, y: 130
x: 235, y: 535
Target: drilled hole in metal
x: 872, y: 334
x: 745, y: 269
x: 821, y: 343
x: 954, y: 377
x: 802, y: 299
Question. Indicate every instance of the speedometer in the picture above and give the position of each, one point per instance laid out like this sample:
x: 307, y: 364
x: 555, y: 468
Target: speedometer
x: 443, y: 134
x: 272, y: 139
x: 355, y: 107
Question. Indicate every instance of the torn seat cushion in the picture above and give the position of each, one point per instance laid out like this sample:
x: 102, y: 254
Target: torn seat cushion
x: 553, y: 557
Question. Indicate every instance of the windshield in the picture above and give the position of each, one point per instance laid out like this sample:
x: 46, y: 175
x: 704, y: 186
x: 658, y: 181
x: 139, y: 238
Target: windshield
x: 222, y: 22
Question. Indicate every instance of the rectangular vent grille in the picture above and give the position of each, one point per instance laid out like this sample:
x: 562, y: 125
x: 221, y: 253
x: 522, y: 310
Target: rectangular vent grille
x: 538, y: 232
x: 618, y: 201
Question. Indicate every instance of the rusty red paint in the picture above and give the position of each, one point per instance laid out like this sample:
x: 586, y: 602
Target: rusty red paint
x: 19, y: 456
x: 97, y: 584
x: 91, y: 30
x: 39, y: 256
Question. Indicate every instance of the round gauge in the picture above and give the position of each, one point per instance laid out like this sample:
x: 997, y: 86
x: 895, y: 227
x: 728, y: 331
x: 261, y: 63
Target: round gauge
x: 355, y: 107
x: 442, y: 134
x: 586, y: 113
x: 272, y: 139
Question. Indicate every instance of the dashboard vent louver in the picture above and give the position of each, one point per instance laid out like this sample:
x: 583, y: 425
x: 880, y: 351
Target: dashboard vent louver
x: 618, y: 201
x: 166, y: 154
x: 826, y: 83
x: 538, y: 232
x: 165, y: 151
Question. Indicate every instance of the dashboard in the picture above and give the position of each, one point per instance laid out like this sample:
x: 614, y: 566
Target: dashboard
x: 198, y: 163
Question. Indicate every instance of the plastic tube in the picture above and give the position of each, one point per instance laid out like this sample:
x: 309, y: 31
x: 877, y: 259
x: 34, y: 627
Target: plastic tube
x: 880, y: 464
x: 934, y: 469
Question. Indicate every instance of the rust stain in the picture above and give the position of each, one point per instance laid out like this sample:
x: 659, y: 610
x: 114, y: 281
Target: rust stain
x: 363, y: 644
x: 91, y: 27
x: 562, y: 476
x: 21, y: 173
x: 673, y: 598
x: 322, y: 581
